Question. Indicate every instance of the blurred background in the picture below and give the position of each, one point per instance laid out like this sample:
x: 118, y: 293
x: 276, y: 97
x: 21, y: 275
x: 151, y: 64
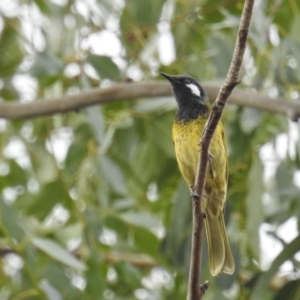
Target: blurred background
x: 93, y: 205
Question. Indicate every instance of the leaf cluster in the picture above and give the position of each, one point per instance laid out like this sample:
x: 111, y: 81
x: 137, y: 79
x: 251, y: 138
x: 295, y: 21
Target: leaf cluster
x: 93, y: 205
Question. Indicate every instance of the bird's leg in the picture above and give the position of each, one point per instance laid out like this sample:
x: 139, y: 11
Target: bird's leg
x: 193, y: 192
x: 195, y: 195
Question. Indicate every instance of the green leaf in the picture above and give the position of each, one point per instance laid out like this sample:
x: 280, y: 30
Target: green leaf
x: 284, y: 182
x: 140, y: 218
x: 58, y: 253
x: 255, y: 212
x: 51, y: 194
x: 131, y: 275
x: 104, y: 66
x: 282, y: 15
x: 43, y: 6
x: 117, y: 225
x: 295, y: 28
x: 47, y: 68
x: 177, y: 243
x: 51, y: 292
x: 95, y: 274
x: 260, y: 291
x: 146, y: 241
x: 113, y: 175
x: 291, y: 290
x: 69, y: 232
x: 55, y: 273
x: 46, y: 64
x: 11, y: 47
x: 43, y: 163
x: 250, y: 119
x: 148, y: 12
x: 9, y: 222
x: 219, y: 44
x: 16, y: 175
x: 93, y: 223
x: 8, y: 91
x: 77, y: 152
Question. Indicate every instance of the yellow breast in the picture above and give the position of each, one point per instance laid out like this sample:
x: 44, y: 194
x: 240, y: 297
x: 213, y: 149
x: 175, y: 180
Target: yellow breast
x: 186, y: 137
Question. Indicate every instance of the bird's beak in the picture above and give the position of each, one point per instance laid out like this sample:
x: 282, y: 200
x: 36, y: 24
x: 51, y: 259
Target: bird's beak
x: 169, y: 77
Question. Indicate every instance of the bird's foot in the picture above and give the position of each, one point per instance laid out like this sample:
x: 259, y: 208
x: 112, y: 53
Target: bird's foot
x: 194, y: 195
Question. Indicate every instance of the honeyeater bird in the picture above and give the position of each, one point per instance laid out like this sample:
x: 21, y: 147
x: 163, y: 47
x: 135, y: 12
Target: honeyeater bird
x: 193, y: 111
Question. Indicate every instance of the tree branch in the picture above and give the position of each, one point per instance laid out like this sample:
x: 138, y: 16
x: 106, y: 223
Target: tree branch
x: 133, y: 91
x: 112, y: 257
x: 194, y: 291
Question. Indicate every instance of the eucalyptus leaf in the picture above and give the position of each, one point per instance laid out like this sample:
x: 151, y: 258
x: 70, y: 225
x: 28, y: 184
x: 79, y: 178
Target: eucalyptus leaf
x: 140, y: 218
x: 104, y: 66
x: 9, y: 223
x: 46, y: 65
x: 254, y: 204
x: 260, y: 291
x: 118, y: 199
x: 58, y: 253
x: 11, y: 48
x: 51, y: 292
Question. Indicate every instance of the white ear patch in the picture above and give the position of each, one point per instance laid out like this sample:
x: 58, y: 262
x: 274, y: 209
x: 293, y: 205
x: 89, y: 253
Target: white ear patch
x: 194, y: 89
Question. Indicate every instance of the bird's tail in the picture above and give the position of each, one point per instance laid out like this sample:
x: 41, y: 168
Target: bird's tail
x: 220, y: 257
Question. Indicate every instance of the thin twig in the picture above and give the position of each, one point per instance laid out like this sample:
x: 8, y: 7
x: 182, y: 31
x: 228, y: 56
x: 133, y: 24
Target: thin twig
x: 194, y: 291
x: 133, y: 91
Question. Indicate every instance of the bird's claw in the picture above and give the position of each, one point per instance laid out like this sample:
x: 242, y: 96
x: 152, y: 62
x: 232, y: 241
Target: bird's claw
x: 194, y: 195
x: 210, y: 155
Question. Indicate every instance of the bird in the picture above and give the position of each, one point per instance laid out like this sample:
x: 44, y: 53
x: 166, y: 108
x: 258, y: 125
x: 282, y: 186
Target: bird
x: 190, y: 119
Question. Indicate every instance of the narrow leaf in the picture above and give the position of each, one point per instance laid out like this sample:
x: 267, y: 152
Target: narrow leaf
x: 260, y: 291
x: 58, y: 253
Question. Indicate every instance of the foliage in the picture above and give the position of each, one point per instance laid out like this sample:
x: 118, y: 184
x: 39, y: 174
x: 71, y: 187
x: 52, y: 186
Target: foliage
x: 93, y: 205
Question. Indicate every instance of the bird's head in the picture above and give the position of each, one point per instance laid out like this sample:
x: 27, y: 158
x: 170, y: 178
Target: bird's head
x: 186, y: 89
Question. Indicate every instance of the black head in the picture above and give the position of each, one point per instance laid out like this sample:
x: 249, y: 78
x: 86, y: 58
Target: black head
x: 190, y: 96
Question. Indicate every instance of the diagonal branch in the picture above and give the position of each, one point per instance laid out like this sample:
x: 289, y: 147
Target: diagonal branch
x: 194, y: 292
x: 133, y: 91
